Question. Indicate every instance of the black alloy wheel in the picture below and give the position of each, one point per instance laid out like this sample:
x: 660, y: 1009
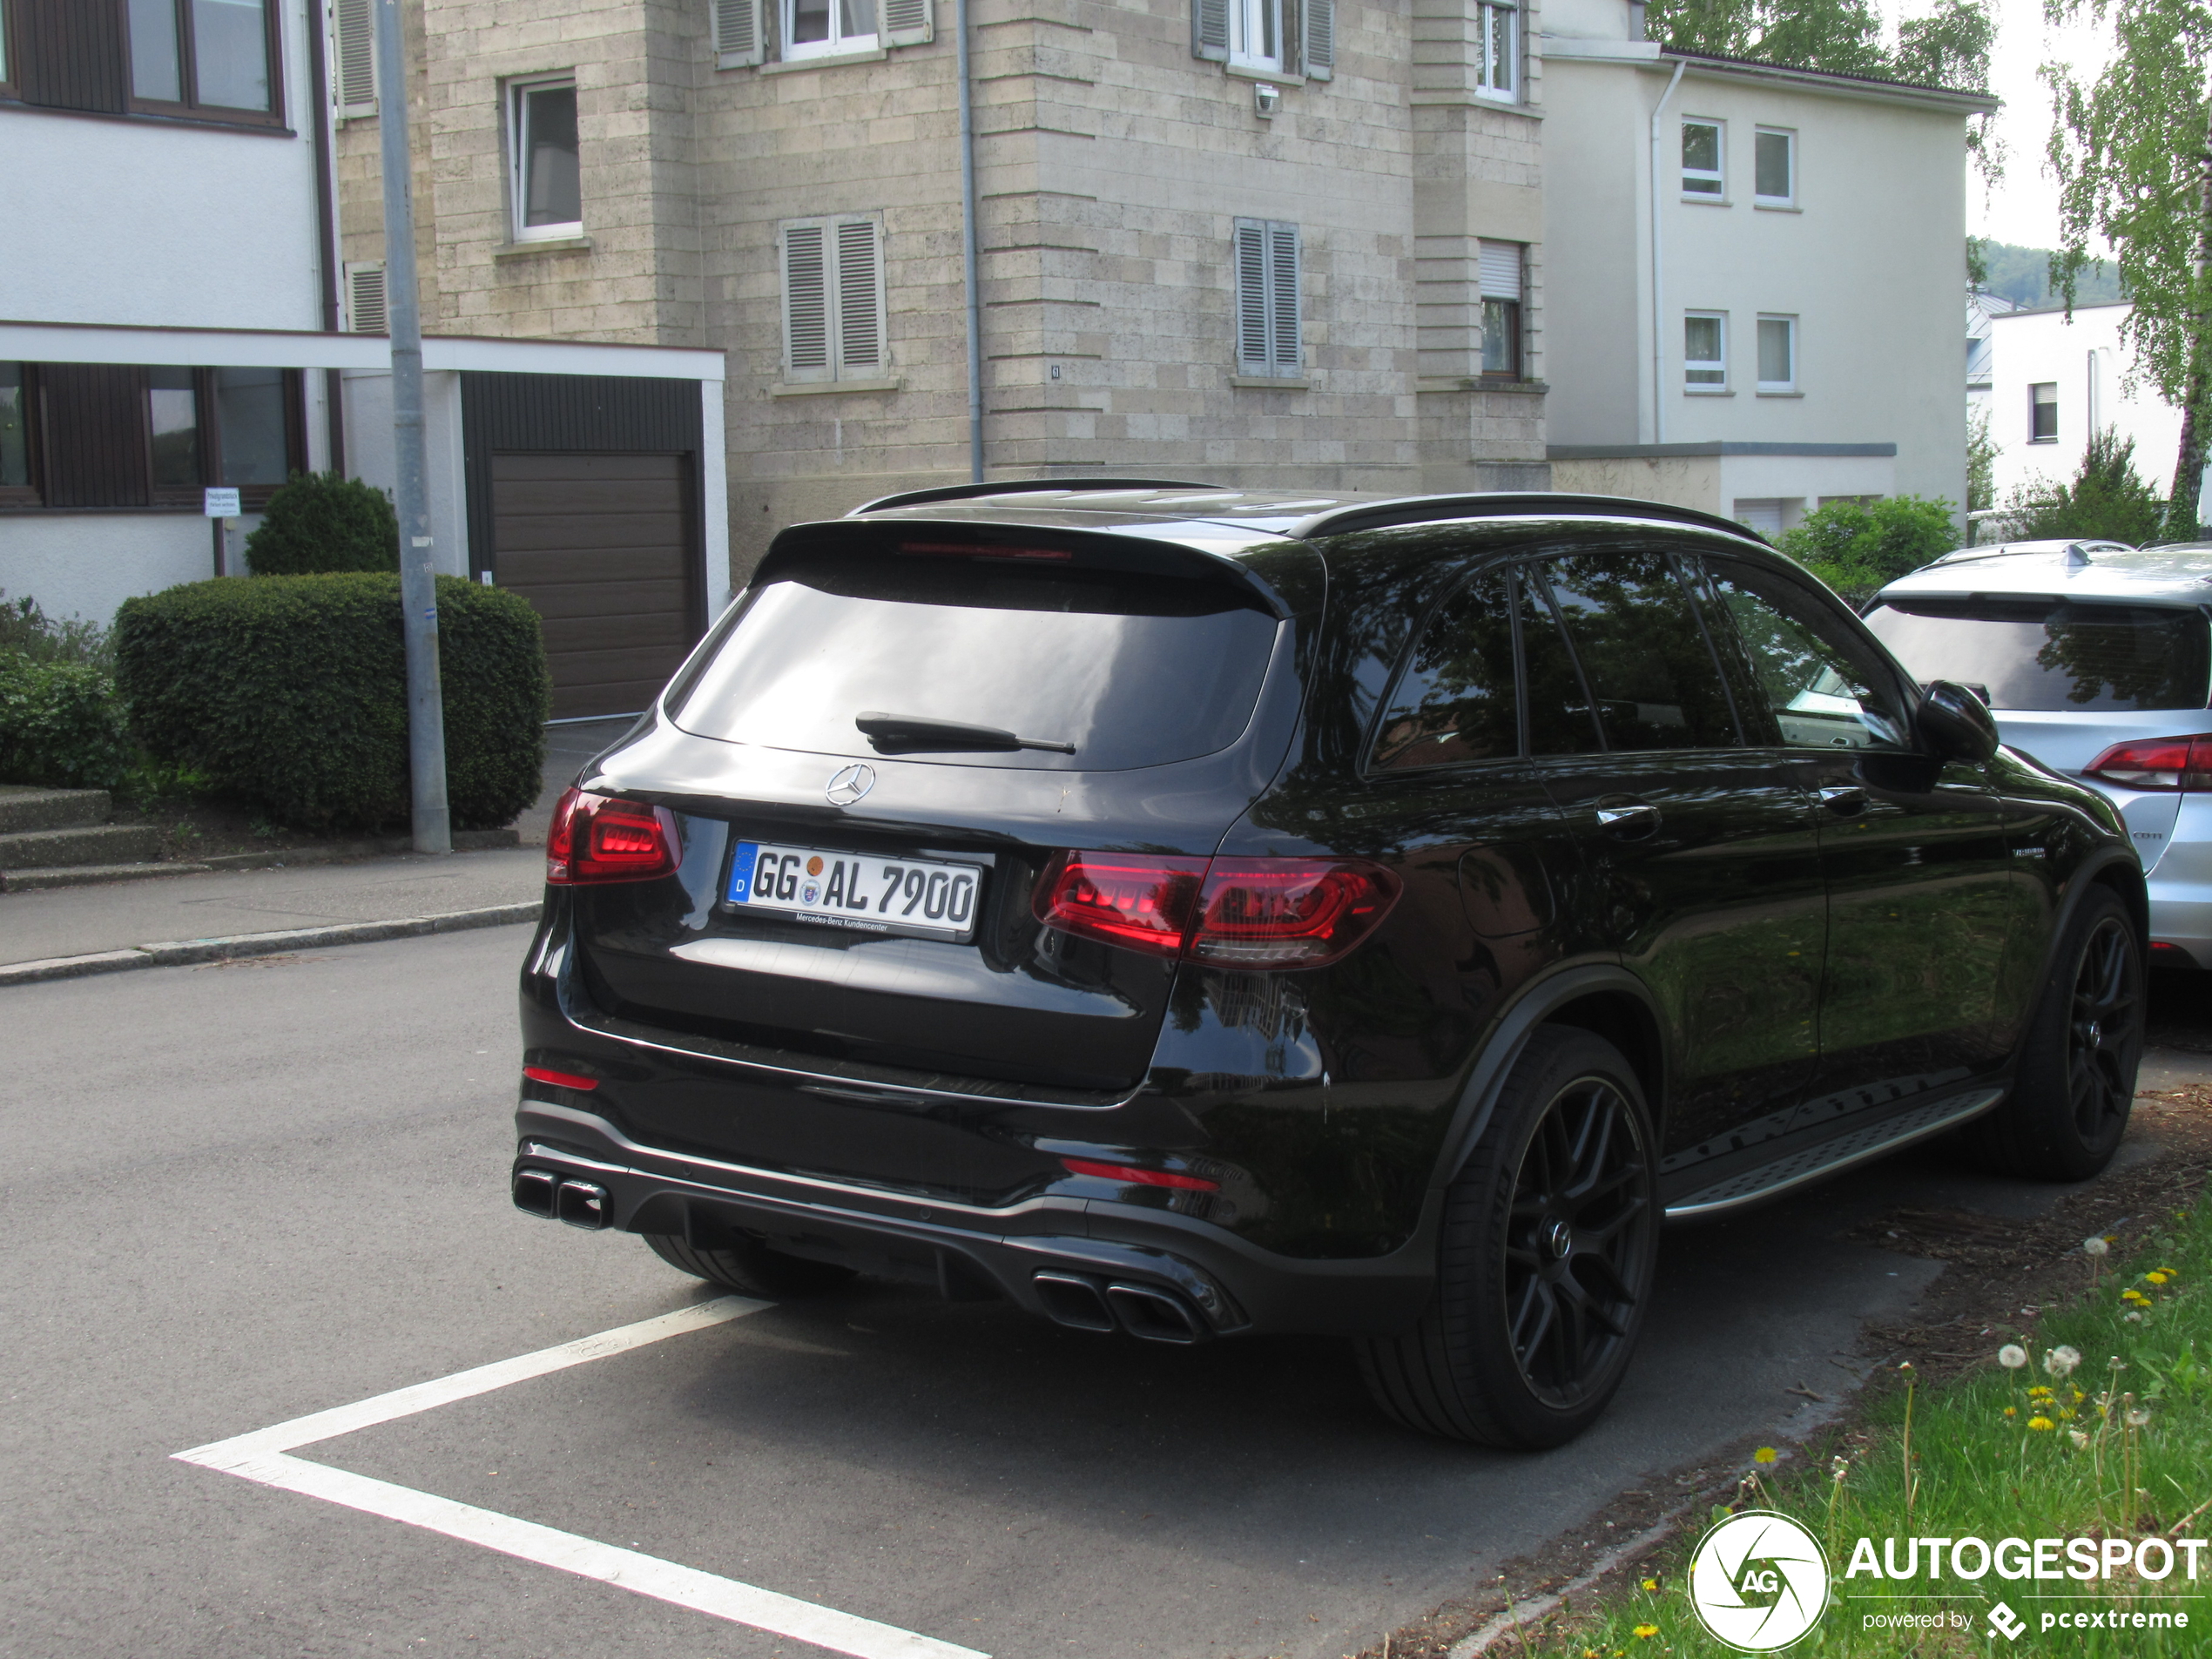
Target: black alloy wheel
x: 1574, y: 1268
x: 2074, y: 1079
x: 1544, y: 1269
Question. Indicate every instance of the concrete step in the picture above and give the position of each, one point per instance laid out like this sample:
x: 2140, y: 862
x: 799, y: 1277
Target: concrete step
x: 87, y: 875
x: 29, y: 807
x: 49, y: 849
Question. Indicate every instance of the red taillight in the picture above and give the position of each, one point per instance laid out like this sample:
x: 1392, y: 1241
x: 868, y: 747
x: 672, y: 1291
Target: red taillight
x: 1289, y: 913
x: 1242, y: 913
x: 559, y: 1079
x: 1136, y: 902
x: 1142, y: 1177
x: 2173, y: 764
x: 601, y: 838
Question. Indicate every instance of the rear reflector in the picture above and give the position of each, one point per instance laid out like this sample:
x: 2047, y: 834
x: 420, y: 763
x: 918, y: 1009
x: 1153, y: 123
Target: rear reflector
x: 1134, y: 1176
x: 558, y: 1079
x: 2167, y: 763
x: 1246, y: 913
x: 601, y: 838
x: 2165, y: 955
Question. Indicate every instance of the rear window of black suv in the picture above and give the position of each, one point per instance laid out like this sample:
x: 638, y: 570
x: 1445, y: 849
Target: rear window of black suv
x: 1132, y: 668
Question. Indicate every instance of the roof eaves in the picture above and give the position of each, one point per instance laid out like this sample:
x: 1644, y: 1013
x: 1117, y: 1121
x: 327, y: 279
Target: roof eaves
x: 1835, y: 81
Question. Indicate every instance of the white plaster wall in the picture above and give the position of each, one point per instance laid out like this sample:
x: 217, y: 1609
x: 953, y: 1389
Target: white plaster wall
x: 1804, y: 477
x: 164, y: 223
x: 2034, y: 346
x: 1872, y: 266
x: 369, y: 453
x: 86, y: 565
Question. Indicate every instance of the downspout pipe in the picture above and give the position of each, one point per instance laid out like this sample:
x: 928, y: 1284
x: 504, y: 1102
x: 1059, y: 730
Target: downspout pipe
x: 326, y: 252
x: 1658, y: 266
x: 967, y: 259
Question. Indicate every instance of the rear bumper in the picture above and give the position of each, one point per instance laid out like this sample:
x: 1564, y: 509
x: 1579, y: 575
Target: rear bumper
x: 1229, y: 1287
x: 2179, y: 884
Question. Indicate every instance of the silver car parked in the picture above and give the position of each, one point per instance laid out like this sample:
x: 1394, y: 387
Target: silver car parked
x: 2096, y: 659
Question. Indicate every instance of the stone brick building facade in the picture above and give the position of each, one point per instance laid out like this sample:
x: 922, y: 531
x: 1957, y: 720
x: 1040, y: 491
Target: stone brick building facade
x: 722, y: 146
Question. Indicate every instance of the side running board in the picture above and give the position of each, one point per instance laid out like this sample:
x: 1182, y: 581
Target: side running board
x: 1831, y: 1157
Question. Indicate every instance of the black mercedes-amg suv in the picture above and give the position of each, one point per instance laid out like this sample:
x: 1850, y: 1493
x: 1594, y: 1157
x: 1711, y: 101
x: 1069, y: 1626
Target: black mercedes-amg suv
x: 1189, y: 912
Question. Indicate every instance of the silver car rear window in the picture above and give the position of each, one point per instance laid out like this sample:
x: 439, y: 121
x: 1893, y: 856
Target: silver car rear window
x: 2035, y: 653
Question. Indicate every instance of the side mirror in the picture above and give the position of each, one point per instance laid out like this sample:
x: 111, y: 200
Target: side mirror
x: 1956, y: 724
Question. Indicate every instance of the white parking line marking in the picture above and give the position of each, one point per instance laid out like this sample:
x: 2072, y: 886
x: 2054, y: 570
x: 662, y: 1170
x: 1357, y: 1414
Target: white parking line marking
x: 263, y: 1456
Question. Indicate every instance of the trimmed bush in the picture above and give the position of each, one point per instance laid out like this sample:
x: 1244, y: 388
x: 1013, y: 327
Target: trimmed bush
x: 60, y: 725
x: 291, y: 691
x: 1859, y: 547
x: 321, y: 522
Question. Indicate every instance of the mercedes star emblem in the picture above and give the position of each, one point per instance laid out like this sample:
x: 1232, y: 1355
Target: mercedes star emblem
x: 851, y: 783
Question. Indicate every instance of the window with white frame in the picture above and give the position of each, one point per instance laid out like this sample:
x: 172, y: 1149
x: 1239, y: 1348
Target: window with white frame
x: 1267, y: 299
x: 1498, y: 48
x: 1705, y: 351
x: 818, y: 28
x: 1777, y: 353
x: 833, y: 310
x: 1256, y: 33
x: 1500, y: 269
x: 1774, y: 167
x: 545, y: 180
x: 1703, y: 146
x: 2043, y: 413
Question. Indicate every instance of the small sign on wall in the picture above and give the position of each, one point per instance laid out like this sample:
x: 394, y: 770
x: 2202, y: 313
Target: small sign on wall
x: 220, y: 504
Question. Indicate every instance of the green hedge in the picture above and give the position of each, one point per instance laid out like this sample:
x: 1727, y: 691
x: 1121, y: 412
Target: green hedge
x: 292, y: 692
x: 59, y: 725
x: 323, y: 521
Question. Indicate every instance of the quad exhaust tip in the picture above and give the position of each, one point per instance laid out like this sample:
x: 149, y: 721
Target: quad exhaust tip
x: 1085, y: 1304
x: 580, y: 1204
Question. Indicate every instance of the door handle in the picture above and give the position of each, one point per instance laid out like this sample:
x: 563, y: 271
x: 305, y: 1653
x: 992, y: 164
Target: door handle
x: 1628, y: 820
x: 1845, y: 800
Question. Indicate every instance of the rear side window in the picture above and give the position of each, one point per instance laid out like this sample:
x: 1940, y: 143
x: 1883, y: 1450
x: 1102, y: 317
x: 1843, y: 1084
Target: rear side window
x: 1642, y: 651
x: 1456, y: 702
x: 1132, y: 668
x: 2043, y: 653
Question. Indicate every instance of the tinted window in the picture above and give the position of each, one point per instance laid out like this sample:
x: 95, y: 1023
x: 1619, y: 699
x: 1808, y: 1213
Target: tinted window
x: 1134, y: 669
x: 1560, y: 718
x: 2040, y: 653
x: 1820, y: 683
x: 1641, y: 650
x: 1455, y: 701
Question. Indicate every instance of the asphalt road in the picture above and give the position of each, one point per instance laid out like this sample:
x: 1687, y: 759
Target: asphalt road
x: 239, y: 1193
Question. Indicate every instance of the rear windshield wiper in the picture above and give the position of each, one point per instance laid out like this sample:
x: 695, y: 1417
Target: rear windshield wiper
x: 915, y: 733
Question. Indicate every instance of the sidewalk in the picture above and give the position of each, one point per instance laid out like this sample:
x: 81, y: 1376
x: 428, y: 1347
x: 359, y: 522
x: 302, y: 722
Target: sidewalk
x: 311, y: 903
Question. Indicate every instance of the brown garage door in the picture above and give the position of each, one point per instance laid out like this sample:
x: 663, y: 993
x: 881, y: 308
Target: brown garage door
x: 602, y: 545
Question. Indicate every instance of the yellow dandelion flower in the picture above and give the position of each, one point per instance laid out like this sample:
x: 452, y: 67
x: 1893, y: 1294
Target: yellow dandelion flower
x: 1651, y: 1584
x: 1765, y: 1455
x: 2011, y: 1411
x: 2040, y: 1422
x: 2155, y: 1279
x: 1645, y: 1632
x: 2066, y: 1411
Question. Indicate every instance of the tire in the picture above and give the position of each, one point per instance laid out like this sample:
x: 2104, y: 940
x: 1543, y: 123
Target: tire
x: 1523, y: 1347
x: 2074, y: 1074
x: 751, y: 1269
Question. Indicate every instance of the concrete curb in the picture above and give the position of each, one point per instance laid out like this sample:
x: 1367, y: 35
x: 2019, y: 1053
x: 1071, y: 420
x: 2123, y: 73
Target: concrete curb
x: 182, y: 951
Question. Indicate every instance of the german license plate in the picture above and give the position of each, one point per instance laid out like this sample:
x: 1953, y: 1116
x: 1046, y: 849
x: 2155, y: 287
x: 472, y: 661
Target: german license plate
x: 847, y: 890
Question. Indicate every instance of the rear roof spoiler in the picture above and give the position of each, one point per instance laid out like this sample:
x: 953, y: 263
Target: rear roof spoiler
x: 1018, y: 486
x: 1425, y: 509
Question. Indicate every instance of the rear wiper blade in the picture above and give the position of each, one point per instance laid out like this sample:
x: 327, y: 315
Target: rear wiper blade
x: 915, y: 733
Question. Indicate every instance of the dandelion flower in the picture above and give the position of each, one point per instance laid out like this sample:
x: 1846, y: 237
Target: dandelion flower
x: 2094, y: 1245
x: 2061, y: 1361
x: 2011, y: 1411
x: 2155, y: 1279
x: 1645, y: 1632
x: 2041, y: 1423
x: 2137, y: 1418
x: 2081, y: 1440
x: 1765, y: 1455
x: 2011, y: 1356
x: 1651, y: 1584
x: 2134, y: 1319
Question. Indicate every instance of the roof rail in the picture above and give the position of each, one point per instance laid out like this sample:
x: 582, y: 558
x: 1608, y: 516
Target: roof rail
x: 1016, y: 486
x: 1422, y: 510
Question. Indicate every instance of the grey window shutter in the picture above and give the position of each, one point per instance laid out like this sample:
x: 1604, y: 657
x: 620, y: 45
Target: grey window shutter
x: 1501, y: 269
x: 859, y: 296
x: 353, y: 56
x: 1318, y: 30
x: 1209, y: 29
x: 1283, y: 297
x: 365, y: 312
x: 1252, y: 355
x: 908, y: 23
x: 807, y: 312
x: 738, y: 38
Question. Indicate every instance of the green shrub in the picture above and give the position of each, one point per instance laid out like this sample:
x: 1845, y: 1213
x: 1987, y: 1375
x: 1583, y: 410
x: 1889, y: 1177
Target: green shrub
x: 27, y: 631
x: 60, y: 725
x: 1856, y: 547
x: 323, y: 521
x: 291, y: 691
x: 2106, y: 497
